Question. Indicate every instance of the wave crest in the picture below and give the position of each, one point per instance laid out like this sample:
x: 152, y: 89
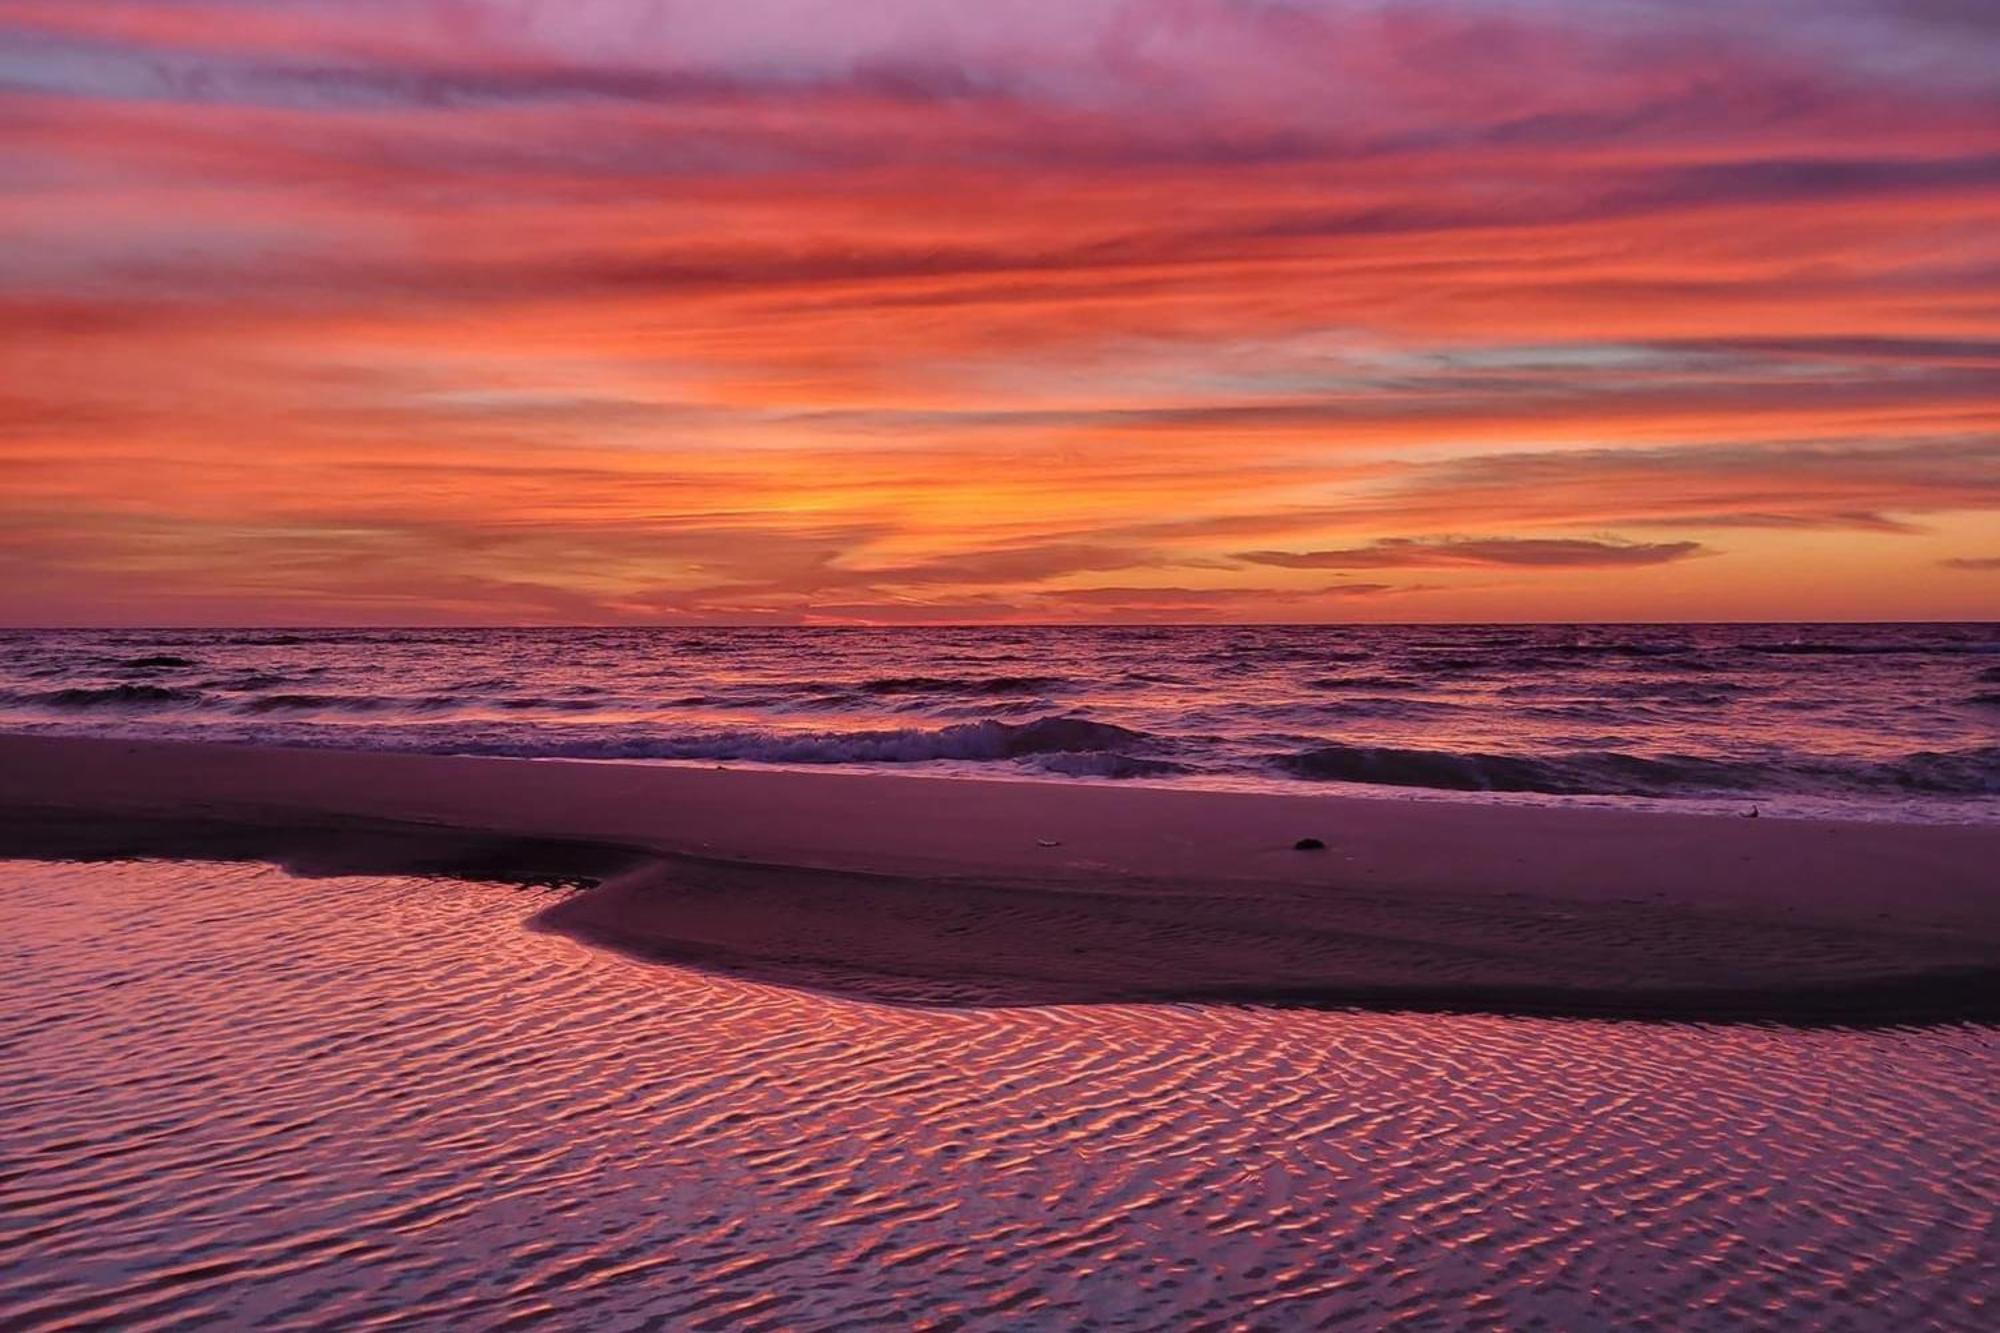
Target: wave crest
x: 973, y: 741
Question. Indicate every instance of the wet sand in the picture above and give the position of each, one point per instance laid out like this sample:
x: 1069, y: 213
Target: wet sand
x: 236, y: 1099
x: 953, y: 891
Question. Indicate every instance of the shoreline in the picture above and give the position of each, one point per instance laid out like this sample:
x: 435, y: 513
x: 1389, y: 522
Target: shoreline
x: 974, y: 891
x: 1811, y: 807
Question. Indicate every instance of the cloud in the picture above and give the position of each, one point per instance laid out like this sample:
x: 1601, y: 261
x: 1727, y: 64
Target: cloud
x: 1972, y: 562
x: 1215, y: 597
x: 1950, y: 351
x: 789, y: 309
x: 1511, y: 552
x: 1019, y: 565
x: 1844, y: 520
x: 1853, y: 484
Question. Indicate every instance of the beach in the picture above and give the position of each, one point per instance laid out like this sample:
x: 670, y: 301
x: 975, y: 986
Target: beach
x: 236, y: 1098
x: 965, y: 891
x: 1146, y: 666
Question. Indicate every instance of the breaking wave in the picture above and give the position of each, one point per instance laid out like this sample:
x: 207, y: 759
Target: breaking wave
x: 973, y: 741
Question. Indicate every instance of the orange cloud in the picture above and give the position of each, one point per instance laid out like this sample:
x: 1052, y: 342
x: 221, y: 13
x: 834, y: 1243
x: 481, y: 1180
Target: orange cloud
x: 1507, y: 552
x: 500, y: 310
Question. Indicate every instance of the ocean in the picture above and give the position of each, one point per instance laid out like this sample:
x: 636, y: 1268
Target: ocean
x: 1898, y: 722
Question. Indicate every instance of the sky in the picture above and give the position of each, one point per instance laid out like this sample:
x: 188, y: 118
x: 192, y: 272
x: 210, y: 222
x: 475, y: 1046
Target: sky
x: 921, y: 311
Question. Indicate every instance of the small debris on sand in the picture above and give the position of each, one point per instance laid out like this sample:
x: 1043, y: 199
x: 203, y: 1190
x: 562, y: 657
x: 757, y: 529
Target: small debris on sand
x: 1308, y: 845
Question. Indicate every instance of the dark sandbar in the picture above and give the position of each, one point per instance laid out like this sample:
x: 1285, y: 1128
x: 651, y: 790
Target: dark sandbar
x: 945, y: 891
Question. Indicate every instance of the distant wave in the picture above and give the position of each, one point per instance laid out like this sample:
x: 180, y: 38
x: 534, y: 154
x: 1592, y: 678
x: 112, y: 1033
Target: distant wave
x: 1808, y: 649
x: 962, y: 685
x: 242, y: 697
x: 158, y: 662
x: 1649, y: 690
x: 253, y: 681
x: 1619, y: 649
x: 1366, y: 682
x: 318, y: 703
x: 1390, y: 707
x: 330, y: 637
x: 111, y: 696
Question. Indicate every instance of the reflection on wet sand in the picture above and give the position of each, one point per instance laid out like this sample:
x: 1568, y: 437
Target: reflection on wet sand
x: 229, y: 1094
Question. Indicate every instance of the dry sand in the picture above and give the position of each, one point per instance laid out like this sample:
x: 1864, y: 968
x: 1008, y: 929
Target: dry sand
x: 975, y: 892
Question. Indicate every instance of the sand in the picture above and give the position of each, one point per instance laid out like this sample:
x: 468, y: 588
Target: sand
x: 950, y: 891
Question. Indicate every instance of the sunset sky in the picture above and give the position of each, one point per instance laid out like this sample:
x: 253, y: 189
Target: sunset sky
x: 582, y: 311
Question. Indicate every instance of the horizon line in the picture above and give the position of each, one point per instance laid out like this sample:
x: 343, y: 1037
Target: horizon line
x: 276, y: 627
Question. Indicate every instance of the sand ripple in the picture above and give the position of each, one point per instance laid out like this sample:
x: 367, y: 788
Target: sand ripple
x: 229, y: 1095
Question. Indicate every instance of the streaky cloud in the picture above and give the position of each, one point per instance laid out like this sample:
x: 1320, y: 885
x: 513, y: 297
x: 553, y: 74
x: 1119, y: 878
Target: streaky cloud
x: 912, y: 311
x: 1512, y: 552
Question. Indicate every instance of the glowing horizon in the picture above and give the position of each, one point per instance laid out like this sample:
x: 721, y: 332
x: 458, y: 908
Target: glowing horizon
x: 629, y: 311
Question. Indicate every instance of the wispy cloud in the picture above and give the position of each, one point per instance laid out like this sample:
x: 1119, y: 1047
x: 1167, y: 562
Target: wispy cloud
x: 1514, y: 552
x: 917, y: 310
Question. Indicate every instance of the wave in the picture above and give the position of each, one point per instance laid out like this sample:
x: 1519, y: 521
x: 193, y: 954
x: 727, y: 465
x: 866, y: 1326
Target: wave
x: 338, y: 638
x: 1647, y: 690
x: 1446, y: 770
x: 318, y: 703
x: 1366, y: 683
x: 251, y: 682
x: 975, y: 741
x: 1389, y: 707
x: 1808, y: 649
x: 158, y: 662
x: 129, y: 697
x: 962, y: 685
x: 1103, y: 764
x: 112, y: 696
x: 1970, y: 772
x: 261, y: 705
x: 1618, y: 649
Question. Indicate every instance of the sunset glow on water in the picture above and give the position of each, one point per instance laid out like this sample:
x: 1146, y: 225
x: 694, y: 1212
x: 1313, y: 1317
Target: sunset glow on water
x: 1873, y: 722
